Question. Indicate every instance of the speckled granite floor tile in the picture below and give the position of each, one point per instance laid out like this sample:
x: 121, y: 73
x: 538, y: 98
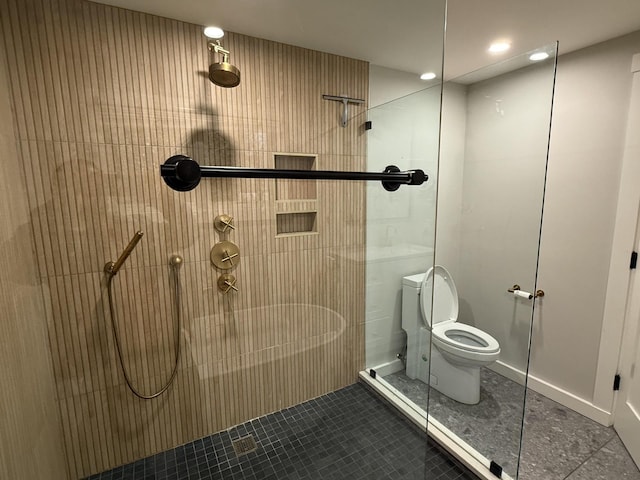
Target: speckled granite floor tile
x: 492, y: 426
x: 558, y: 443
x: 557, y: 440
x: 611, y: 461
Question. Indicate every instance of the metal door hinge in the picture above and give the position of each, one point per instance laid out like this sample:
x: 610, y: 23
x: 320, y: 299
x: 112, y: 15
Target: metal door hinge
x: 616, y: 383
x: 634, y: 260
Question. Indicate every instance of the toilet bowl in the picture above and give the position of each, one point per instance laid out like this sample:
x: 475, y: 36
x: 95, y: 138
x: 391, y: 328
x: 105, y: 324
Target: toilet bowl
x: 430, y: 316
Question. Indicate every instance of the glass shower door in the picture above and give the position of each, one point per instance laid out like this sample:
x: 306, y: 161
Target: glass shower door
x: 400, y: 224
x: 490, y: 200
x: 450, y: 294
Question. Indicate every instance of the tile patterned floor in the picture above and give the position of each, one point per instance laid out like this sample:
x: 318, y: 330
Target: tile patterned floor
x: 610, y: 461
x: 492, y: 426
x: 558, y: 443
x: 349, y: 434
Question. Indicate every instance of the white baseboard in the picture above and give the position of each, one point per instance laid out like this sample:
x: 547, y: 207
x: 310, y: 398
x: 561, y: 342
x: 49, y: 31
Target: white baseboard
x: 508, y: 371
x: 555, y: 393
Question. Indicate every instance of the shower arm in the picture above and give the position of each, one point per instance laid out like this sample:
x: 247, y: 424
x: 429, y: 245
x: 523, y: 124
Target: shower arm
x: 217, y: 48
x: 183, y: 174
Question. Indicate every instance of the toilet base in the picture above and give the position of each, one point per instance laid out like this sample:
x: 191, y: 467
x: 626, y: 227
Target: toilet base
x: 459, y: 383
x: 418, y: 357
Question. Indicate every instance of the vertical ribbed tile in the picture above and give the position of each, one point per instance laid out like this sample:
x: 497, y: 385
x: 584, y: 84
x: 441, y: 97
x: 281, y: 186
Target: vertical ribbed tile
x: 98, y: 107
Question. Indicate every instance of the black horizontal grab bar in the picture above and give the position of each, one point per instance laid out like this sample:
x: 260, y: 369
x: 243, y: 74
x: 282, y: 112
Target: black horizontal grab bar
x: 183, y: 174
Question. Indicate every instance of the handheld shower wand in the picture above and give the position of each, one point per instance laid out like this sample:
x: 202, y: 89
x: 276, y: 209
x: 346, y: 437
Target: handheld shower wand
x: 111, y: 268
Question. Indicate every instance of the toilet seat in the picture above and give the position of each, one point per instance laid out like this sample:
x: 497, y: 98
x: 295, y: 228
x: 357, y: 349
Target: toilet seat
x: 457, y: 341
x: 465, y: 337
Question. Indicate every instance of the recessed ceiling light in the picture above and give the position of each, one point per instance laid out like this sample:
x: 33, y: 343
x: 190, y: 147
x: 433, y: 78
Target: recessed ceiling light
x: 499, y: 47
x: 213, y: 32
x: 428, y: 76
x: 536, y: 57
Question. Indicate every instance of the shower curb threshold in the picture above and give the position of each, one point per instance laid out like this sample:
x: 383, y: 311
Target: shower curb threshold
x: 453, y: 444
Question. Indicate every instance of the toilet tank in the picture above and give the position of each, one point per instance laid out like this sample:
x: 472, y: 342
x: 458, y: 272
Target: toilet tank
x: 413, y: 280
x: 411, y: 301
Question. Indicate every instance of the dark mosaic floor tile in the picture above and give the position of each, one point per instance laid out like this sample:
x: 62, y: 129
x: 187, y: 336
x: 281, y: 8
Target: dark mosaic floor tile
x: 347, y: 434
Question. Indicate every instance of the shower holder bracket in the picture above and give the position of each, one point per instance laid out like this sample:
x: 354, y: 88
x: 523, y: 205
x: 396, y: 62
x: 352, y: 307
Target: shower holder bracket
x: 345, y: 105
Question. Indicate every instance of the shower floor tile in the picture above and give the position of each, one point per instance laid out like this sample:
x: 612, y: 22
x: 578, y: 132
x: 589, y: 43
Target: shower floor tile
x: 348, y: 434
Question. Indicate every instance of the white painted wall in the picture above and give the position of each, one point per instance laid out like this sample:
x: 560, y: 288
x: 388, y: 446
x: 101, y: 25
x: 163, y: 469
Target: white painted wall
x: 587, y: 139
x: 451, y: 178
x: 507, y: 130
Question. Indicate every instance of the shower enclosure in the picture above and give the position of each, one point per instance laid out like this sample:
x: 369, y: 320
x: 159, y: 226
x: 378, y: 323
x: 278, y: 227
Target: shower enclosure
x: 303, y: 292
x: 482, y: 224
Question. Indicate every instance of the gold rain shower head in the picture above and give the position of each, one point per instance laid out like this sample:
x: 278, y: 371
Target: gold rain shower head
x: 223, y: 73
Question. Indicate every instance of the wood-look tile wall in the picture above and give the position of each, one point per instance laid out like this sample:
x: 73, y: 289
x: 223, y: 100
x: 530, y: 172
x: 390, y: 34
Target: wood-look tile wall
x: 29, y: 418
x: 101, y: 97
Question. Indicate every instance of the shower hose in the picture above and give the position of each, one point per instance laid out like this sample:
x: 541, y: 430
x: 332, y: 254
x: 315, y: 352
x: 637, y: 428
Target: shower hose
x: 135, y: 391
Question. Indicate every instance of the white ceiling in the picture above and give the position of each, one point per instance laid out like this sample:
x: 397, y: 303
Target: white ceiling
x: 406, y: 34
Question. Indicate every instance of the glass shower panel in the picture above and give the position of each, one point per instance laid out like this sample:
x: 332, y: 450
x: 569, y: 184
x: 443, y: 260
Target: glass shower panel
x: 400, y: 225
x: 490, y: 196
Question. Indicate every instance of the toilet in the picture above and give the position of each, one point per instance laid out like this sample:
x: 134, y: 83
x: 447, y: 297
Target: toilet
x: 459, y: 350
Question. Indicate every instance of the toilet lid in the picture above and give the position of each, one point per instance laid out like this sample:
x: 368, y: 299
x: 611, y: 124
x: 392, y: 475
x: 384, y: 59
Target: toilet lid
x: 445, y: 296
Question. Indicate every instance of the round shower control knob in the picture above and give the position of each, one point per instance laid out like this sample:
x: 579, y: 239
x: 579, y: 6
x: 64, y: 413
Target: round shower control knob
x: 226, y: 283
x: 225, y: 255
x: 223, y: 222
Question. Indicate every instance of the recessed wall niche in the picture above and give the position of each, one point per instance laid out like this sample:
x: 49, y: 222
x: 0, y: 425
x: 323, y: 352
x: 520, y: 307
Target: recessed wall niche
x: 296, y: 200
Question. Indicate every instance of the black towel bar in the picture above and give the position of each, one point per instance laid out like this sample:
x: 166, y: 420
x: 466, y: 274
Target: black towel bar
x: 183, y: 174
